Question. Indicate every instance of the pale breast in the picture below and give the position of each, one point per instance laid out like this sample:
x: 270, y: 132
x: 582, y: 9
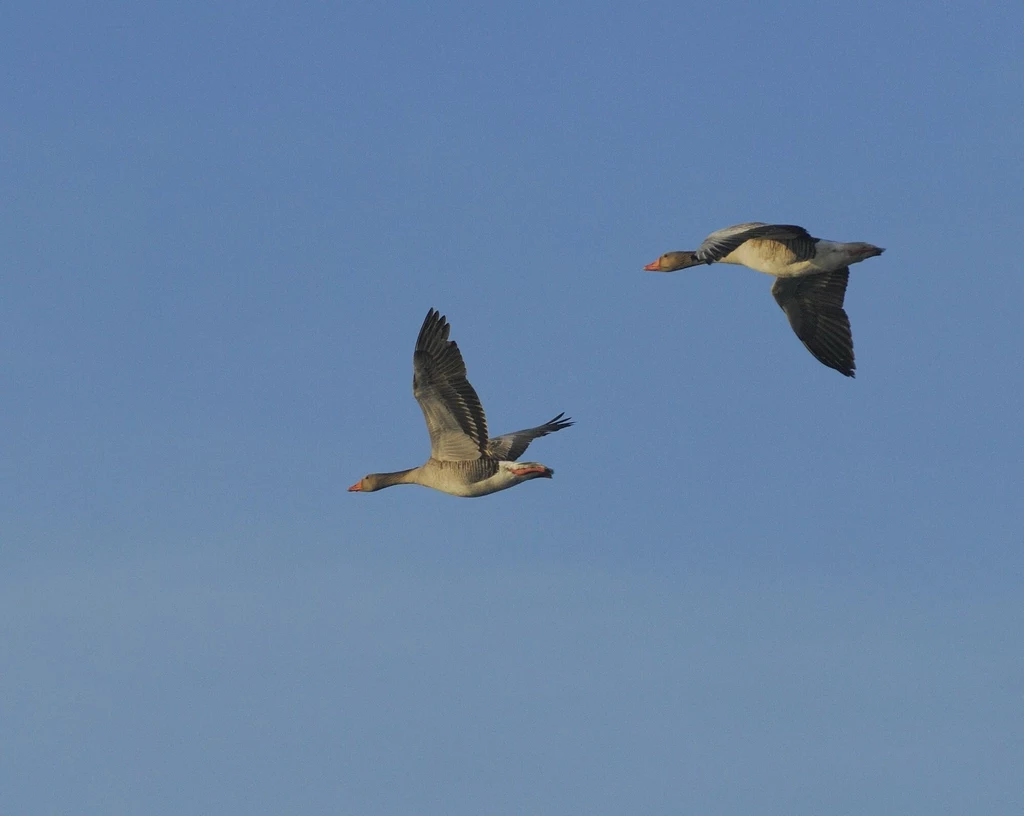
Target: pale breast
x: 762, y: 255
x: 782, y: 259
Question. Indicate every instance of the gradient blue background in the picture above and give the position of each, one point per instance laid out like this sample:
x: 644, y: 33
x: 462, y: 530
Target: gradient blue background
x: 753, y: 586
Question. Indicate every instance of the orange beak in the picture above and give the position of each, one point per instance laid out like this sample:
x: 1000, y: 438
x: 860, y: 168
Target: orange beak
x: 654, y: 266
x: 356, y: 488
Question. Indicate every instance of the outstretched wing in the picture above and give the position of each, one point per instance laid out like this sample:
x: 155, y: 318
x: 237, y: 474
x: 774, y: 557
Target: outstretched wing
x: 719, y: 244
x: 511, y: 446
x: 455, y: 418
x: 814, y: 306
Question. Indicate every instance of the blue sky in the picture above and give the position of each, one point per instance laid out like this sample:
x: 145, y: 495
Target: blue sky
x: 752, y: 586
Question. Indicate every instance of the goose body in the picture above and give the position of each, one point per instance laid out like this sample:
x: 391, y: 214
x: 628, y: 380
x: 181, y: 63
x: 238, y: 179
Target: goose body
x: 810, y: 279
x: 463, y: 460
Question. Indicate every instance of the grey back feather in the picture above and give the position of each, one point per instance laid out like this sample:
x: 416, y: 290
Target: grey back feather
x: 511, y: 446
x: 721, y: 242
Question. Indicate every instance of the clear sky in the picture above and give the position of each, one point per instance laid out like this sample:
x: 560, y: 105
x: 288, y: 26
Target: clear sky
x: 753, y: 585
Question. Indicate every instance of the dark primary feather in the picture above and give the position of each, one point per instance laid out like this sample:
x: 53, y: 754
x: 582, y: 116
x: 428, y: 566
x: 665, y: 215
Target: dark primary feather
x: 450, y: 404
x: 814, y: 306
x: 719, y: 244
x: 511, y: 446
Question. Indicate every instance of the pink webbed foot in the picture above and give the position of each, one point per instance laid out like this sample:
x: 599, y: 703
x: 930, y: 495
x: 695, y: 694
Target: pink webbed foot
x: 530, y: 469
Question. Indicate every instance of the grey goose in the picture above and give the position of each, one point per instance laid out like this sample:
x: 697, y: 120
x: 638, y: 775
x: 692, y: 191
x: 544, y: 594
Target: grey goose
x: 463, y: 461
x: 810, y: 279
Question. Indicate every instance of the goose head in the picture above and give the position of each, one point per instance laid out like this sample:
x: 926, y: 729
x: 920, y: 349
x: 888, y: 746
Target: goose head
x: 672, y: 261
x: 365, y: 485
x: 378, y: 481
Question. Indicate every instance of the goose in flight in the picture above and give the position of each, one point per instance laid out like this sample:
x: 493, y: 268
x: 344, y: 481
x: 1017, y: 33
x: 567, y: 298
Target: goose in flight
x: 810, y: 279
x: 463, y: 461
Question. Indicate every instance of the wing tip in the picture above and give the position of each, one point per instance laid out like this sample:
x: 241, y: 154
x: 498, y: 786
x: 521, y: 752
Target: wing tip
x: 559, y: 422
x: 435, y: 325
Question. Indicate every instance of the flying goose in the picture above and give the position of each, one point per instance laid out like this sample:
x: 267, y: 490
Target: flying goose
x: 463, y: 460
x: 810, y: 279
